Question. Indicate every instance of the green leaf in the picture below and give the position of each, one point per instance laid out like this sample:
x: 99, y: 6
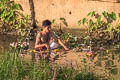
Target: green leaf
x: 109, y: 28
x: 114, y: 71
x: 113, y: 78
x: 17, y: 7
x: 53, y: 21
x: 94, y: 27
x: 1, y: 4
x: 110, y: 24
x: 3, y: 0
x: 84, y: 60
x: 8, y: 18
x: 113, y: 56
x: 113, y: 16
x: 109, y: 63
x: 1, y: 13
x: 79, y: 22
x: 62, y: 18
x: 91, y: 13
x: 84, y: 20
x: 105, y: 14
x: 99, y: 19
x: 91, y: 22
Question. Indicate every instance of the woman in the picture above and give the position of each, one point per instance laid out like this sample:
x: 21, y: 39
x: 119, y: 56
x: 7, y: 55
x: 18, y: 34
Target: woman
x: 46, y: 37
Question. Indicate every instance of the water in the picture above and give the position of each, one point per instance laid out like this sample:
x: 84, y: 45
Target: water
x: 76, y: 32
x: 5, y: 41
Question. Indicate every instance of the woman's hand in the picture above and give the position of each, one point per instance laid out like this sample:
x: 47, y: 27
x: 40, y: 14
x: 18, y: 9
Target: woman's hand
x: 66, y: 48
x: 47, y: 46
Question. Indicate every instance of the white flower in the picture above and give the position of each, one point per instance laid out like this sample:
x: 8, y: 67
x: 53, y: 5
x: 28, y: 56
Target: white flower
x: 13, y: 44
x: 21, y: 45
x: 25, y: 43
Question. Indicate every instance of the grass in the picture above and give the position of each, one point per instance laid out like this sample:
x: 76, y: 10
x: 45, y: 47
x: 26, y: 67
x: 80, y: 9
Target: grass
x: 14, y: 68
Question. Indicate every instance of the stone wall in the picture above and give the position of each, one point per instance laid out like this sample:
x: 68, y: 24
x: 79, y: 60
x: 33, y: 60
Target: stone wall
x: 71, y: 10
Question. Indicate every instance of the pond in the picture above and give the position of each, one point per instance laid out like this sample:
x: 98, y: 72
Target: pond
x: 5, y: 40
x: 108, y: 59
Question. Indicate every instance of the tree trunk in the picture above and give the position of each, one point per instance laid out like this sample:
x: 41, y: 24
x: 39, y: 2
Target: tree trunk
x: 31, y: 3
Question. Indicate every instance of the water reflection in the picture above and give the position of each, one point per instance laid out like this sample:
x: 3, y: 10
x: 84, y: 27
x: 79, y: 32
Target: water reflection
x: 5, y: 41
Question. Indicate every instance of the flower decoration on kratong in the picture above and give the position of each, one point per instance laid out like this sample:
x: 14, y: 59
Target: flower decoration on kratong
x: 102, y: 48
x: 66, y: 40
x: 118, y: 23
x: 66, y: 37
x: 56, y: 50
x: 107, y: 51
x: 34, y: 51
x: 20, y: 45
x: 69, y: 39
x: 90, y: 53
x: 39, y: 51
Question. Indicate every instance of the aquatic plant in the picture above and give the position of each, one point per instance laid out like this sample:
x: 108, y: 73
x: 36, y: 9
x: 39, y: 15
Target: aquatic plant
x: 100, y: 28
x: 22, y: 47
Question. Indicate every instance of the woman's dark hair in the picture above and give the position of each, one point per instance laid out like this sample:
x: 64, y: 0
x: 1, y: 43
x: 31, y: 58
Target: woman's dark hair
x: 46, y: 23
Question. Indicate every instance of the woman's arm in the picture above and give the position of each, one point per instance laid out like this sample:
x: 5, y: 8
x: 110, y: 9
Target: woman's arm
x: 59, y: 41
x: 37, y: 42
x: 41, y: 45
x: 62, y: 44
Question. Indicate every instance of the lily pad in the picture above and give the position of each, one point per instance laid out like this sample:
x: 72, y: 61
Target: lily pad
x: 109, y: 63
x: 114, y: 71
x: 98, y: 63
